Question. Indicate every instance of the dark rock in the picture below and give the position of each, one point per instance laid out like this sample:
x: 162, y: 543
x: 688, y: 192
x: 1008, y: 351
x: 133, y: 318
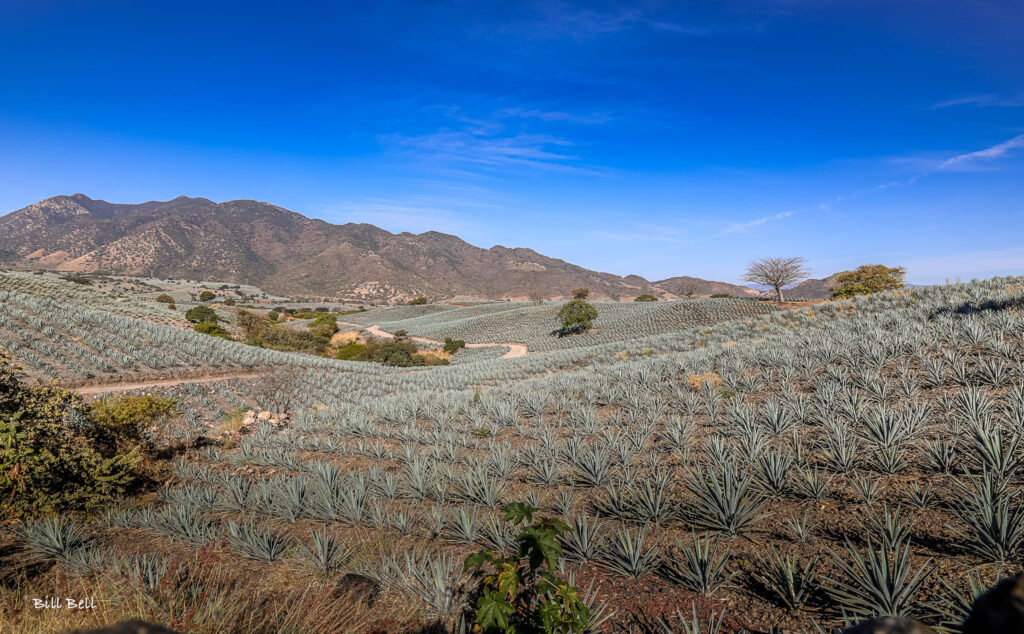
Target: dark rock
x: 1001, y: 609
x: 353, y: 585
x: 129, y: 627
x: 890, y: 625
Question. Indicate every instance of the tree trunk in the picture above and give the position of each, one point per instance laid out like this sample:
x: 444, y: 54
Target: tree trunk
x: 778, y: 289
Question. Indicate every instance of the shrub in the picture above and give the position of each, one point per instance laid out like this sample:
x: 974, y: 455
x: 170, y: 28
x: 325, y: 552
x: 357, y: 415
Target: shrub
x: 57, y: 453
x: 646, y: 297
x: 79, y: 279
x: 419, y: 301
x: 580, y: 293
x: 164, y: 298
x: 326, y: 323
x: 354, y: 352
x: 400, y: 333
x: 721, y: 295
x: 206, y: 296
x: 211, y: 328
x: 523, y: 592
x: 867, y: 279
x: 201, y: 313
x: 229, y: 301
x: 273, y: 315
x: 576, y: 316
x: 452, y: 346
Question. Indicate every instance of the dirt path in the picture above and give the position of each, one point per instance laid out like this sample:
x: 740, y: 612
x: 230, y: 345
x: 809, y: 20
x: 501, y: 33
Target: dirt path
x: 514, y: 349
x: 128, y: 387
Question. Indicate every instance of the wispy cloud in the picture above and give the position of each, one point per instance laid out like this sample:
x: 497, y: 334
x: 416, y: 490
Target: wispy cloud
x: 553, y: 115
x: 489, y: 150
x: 561, y: 19
x: 982, y: 158
x: 981, y: 101
x: 969, y: 161
x: 744, y: 226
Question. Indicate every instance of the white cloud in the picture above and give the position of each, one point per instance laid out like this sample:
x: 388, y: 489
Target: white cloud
x: 743, y: 226
x: 981, y: 101
x: 979, y: 158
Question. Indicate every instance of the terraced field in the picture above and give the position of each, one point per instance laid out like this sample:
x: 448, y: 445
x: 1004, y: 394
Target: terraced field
x: 787, y: 469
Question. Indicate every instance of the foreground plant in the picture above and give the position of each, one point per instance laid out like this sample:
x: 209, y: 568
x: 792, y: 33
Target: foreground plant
x: 522, y: 593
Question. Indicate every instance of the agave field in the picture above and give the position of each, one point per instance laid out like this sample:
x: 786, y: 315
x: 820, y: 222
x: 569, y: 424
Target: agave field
x: 724, y: 465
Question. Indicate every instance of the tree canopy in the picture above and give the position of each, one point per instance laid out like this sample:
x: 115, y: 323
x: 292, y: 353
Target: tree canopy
x: 777, y: 272
x: 867, y: 279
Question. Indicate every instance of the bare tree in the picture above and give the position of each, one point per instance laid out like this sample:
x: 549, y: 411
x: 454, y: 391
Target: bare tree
x: 687, y: 289
x: 777, y: 272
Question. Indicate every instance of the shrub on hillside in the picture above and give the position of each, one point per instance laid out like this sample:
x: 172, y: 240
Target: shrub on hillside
x: 206, y: 296
x: 401, y: 333
x: 211, y: 328
x: 58, y: 453
x: 867, y: 279
x: 419, y: 301
x: 646, y: 297
x: 720, y: 295
x: 325, y: 322
x: 576, y: 316
x: 201, y: 313
x: 229, y: 301
x: 260, y: 331
x: 164, y: 298
x: 451, y: 346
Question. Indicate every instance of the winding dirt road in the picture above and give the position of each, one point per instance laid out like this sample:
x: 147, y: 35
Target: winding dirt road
x: 514, y: 349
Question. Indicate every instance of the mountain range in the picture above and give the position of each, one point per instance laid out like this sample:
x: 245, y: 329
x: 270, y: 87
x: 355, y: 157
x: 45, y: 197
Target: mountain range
x: 286, y: 253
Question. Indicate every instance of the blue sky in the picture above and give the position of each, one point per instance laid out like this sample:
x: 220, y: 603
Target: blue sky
x: 652, y: 138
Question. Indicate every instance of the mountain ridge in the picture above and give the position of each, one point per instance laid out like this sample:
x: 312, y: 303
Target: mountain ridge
x: 286, y: 253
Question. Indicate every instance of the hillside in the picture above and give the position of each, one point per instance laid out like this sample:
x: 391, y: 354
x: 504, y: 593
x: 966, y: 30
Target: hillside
x: 250, y: 242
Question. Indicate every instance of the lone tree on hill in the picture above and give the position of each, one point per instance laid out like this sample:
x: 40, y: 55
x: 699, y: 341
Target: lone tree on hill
x: 867, y: 279
x: 777, y: 272
x: 580, y: 293
x: 576, y: 315
x: 687, y: 290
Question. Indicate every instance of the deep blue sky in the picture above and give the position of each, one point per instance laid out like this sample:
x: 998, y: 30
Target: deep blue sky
x: 652, y: 138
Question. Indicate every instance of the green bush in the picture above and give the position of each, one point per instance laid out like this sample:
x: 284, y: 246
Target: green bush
x: 452, y: 346
x: 646, y: 297
x: 576, y: 316
x: 523, y: 592
x: 164, y: 298
x: 201, y: 313
x: 419, y: 301
x: 273, y: 315
x: 58, y: 454
x: 400, y: 333
x: 867, y: 279
x: 720, y: 295
x: 206, y: 296
x: 229, y: 301
x: 354, y: 352
x: 325, y: 322
x: 211, y: 328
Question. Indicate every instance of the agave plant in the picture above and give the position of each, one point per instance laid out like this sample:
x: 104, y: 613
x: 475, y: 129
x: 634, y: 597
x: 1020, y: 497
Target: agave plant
x: 257, y: 542
x: 701, y: 568
x: 724, y: 501
x: 325, y: 552
x: 628, y: 554
x: 879, y: 583
x: 788, y: 581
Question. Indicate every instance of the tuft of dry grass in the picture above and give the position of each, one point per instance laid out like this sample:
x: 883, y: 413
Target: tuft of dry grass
x: 697, y: 381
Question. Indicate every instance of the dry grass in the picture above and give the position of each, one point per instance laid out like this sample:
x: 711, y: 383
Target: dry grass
x: 697, y: 381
